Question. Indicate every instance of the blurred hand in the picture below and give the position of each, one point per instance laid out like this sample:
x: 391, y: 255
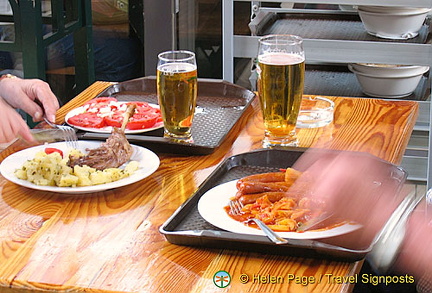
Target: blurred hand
x: 416, y: 252
x: 350, y: 186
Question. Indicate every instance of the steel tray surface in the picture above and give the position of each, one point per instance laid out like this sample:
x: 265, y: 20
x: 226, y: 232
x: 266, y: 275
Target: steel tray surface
x: 187, y: 227
x: 323, y: 24
x: 220, y: 104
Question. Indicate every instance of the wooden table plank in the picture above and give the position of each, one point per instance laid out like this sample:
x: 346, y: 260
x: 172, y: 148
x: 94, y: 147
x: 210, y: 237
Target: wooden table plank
x: 110, y: 241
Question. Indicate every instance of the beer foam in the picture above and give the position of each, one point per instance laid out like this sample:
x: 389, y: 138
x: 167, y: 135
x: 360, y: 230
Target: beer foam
x: 280, y: 58
x: 177, y: 67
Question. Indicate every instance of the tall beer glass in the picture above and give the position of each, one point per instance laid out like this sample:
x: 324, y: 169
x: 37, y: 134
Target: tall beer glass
x: 177, y: 92
x: 280, y: 68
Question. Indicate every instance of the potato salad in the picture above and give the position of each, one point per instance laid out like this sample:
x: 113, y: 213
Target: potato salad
x: 50, y: 168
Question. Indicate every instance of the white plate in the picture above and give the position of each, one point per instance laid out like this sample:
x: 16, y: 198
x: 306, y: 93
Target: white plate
x: 108, y: 129
x: 211, y: 207
x: 148, y: 163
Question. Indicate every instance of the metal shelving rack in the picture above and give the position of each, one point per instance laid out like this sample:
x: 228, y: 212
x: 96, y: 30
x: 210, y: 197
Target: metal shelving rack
x: 418, y: 157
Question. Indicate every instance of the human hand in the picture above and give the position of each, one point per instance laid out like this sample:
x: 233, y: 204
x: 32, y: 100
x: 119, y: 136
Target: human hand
x: 350, y: 185
x: 12, y: 125
x: 22, y: 93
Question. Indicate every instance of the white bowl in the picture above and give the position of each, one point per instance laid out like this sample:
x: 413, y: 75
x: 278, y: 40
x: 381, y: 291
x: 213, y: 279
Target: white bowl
x: 391, y: 81
x: 392, y: 22
x: 388, y: 70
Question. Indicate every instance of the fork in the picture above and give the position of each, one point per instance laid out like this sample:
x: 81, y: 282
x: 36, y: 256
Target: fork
x: 69, y: 134
x: 236, y: 207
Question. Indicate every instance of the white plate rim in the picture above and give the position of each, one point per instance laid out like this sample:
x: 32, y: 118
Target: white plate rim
x: 148, y: 163
x: 211, y: 208
x: 108, y: 129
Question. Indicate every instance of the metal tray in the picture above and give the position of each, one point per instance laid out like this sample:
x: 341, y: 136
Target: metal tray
x: 187, y: 227
x: 323, y: 24
x: 219, y: 106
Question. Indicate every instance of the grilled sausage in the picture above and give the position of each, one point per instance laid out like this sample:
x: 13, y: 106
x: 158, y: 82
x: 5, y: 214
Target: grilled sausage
x: 263, y: 177
x: 258, y: 187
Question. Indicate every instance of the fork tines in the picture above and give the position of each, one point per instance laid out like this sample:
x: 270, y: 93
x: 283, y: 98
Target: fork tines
x: 236, y: 206
x: 69, y: 136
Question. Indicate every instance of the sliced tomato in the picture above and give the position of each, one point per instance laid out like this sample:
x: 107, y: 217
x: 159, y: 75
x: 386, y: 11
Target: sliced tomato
x: 114, y: 121
x: 145, y: 116
x: 149, y: 110
x: 137, y: 121
x: 141, y: 107
x: 142, y: 121
x: 53, y: 150
x: 87, y: 120
x: 101, y: 102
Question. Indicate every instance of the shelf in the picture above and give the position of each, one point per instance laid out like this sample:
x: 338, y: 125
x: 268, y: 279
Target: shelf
x: 412, y: 3
x: 337, y: 80
x: 331, y: 37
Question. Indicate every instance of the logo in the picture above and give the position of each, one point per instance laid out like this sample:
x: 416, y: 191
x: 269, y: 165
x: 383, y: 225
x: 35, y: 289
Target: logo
x: 222, y: 279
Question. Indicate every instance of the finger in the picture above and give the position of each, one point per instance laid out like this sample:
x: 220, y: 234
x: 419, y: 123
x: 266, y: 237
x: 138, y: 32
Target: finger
x: 35, y: 98
x: 19, y: 127
x: 7, y: 133
x: 48, y: 100
x: 25, y: 133
x: 5, y: 137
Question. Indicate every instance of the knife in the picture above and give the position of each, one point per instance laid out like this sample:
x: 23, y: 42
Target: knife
x: 314, y: 222
x: 47, y: 135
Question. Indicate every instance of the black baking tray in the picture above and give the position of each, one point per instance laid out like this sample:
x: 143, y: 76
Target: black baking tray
x: 187, y: 227
x: 220, y: 105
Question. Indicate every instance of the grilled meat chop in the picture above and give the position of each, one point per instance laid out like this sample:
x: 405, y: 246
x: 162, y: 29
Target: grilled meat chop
x: 111, y: 154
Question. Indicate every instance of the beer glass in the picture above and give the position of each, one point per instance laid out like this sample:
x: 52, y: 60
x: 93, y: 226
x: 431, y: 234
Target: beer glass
x: 280, y: 68
x: 177, y: 92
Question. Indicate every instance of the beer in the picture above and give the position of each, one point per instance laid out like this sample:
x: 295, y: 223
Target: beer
x: 177, y: 93
x: 280, y: 89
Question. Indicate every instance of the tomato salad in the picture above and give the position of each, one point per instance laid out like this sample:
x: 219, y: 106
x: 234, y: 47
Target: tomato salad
x: 108, y: 111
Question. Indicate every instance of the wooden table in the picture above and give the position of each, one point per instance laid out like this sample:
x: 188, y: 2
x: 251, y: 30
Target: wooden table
x: 110, y: 241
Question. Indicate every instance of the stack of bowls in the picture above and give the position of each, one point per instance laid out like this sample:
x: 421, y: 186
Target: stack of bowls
x: 388, y: 81
x: 392, y: 22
